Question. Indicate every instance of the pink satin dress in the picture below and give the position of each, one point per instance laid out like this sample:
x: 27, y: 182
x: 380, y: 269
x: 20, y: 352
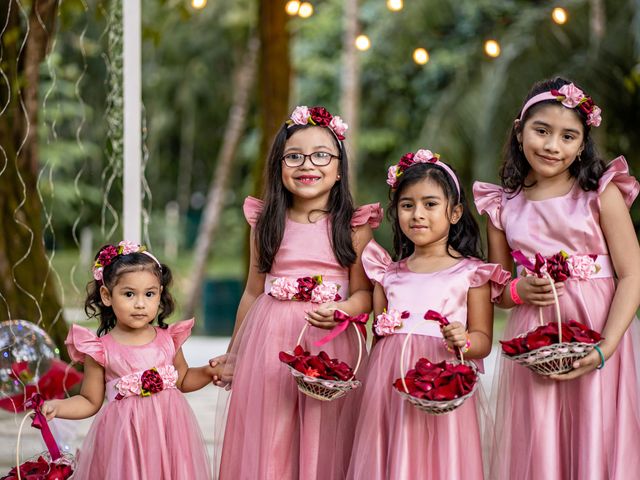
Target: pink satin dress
x: 139, y: 437
x: 274, y: 432
x: 587, y: 428
x: 395, y: 440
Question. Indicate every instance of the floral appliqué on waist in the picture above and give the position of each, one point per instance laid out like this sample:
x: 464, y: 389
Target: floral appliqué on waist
x: 305, y: 289
x: 147, y: 382
x: 560, y: 266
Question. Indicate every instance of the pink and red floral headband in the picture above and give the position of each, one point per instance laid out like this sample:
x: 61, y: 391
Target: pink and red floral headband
x: 421, y: 156
x: 108, y: 254
x: 571, y: 97
x: 320, y: 117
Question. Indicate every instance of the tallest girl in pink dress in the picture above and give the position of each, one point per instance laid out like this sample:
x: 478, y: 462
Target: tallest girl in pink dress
x: 558, y: 195
x: 306, y: 227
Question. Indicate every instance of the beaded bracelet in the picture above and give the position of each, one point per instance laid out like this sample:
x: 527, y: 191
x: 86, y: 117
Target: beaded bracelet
x: 464, y: 349
x: 514, y: 292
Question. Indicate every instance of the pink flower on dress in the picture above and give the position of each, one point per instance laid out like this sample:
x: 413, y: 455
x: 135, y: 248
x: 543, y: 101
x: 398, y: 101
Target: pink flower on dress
x: 324, y: 292
x: 573, y: 95
x: 392, y: 174
x: 424, y: 156
x: 169, y: 375
x: 582, y: 266
x: 126, y: 247
x: 388, y: 322
x: 283, y: 288
x: 594, y: 117
x: 129, y: 384
x: 300, y: 115
x: 338, y: 126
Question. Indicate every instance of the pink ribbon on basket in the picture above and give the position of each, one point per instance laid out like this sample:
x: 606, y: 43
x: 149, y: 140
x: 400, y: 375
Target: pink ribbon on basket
x: 40, y: 422
x: 344, y: 321
x: 522, y: 259
x: 433, y: 315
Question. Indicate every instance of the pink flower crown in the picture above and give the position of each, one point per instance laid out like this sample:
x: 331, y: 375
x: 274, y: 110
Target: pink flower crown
x: 569, y: 96
x: 320, y: 117
x: 421, y: 156
x: 108, y: 254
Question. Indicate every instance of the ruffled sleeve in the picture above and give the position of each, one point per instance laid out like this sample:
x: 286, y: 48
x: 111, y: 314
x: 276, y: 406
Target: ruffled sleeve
x: 488, y: 199
x: 81, y: 342
x: 180, y: 331
x: 618, y: 173
x: 252, y: 209
x: 367, y: 214
x: 493, y: 273
x: 375, y: 261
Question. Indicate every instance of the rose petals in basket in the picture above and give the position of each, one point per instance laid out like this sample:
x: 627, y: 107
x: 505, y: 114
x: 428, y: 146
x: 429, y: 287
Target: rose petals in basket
x: 546, y: 335
x: 317, y: 366
x: 42, y: 469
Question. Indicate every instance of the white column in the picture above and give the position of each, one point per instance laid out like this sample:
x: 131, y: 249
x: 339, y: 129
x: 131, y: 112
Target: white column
x: 132, y: 122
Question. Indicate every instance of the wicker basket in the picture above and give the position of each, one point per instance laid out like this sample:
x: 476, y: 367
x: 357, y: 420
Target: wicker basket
x: 433, y: 407
x: 556, y: 358
x: 322, y: 389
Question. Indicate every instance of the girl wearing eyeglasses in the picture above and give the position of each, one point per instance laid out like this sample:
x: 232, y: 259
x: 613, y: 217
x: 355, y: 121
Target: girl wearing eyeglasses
x: 306, y: 242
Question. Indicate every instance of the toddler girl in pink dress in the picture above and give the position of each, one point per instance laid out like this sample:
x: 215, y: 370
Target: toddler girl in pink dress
x: 558, y: 195
x: 438, y: 267
x: 147, y: 429
x: 306, y: 242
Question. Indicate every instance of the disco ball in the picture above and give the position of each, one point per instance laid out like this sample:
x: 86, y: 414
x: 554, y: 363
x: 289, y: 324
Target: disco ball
x: 26, y: 352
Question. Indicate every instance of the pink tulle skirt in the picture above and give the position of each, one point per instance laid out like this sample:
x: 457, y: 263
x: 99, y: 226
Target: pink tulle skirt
x: 272, y: 430
x: 395, y: 440
x: 587, y: 428
x: 140, y: 438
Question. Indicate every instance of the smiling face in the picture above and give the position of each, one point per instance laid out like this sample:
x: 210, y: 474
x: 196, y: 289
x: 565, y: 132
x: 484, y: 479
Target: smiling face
x: 135, y: 299
x: 551, y: 138
x: 425, y: 214
x: 309, y: 181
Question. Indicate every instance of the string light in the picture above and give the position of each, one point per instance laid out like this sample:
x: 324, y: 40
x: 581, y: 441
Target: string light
x: 395, y: 5
x: 559, y: 15
x: 305, y: 10
x: 363, y: 43
x: 198, y: 4
x: 292, y: 7
x: 492, y: 48
x: 420, y: 56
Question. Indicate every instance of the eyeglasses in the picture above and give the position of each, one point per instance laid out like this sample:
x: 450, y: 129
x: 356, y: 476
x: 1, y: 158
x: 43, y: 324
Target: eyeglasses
x: 319, y: 159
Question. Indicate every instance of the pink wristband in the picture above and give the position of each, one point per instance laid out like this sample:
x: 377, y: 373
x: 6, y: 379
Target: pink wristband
x: 514, y: 292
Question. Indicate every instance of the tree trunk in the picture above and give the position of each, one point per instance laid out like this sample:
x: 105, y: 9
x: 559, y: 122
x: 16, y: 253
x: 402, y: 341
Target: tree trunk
x: 27, y: 290
x: 244, y: 80
x: 350, y: 91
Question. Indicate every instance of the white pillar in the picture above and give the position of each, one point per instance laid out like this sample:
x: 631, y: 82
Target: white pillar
x: 132, y: 122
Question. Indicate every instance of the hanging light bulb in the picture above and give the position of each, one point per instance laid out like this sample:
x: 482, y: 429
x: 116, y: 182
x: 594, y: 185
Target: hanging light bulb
x: 198, y: 4
x: 363, y: 43
x: 420, y: 56
x: 292, y: 7
x: 492, y: 48
x: 559, y: 16
x: 305, y: 10
x: 395, y: 5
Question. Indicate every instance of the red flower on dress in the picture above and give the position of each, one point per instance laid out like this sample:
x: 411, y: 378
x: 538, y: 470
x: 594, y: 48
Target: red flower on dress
x: 151, y: 382
x: 438, y: 381
x: 305, y: 287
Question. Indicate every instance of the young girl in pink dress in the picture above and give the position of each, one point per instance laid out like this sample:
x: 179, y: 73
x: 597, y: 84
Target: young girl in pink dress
x: 305, y: 227
x: 557, y: 194
x: 147, y: 429
x: 437, y: 244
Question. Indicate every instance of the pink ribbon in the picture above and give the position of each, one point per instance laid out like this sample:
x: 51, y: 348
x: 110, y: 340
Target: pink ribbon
x: 40, y: 422
x: 345, y: 320
x: 521, y: 258
x: 433, y: 315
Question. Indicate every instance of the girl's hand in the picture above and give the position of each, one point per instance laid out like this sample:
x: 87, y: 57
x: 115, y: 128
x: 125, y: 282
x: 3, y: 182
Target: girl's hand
x: 222, y: 374
x: 455, y: 334
x: 322, y: 317
x: 586, y: 364
x: 537, y: 291
x: 50, y: 409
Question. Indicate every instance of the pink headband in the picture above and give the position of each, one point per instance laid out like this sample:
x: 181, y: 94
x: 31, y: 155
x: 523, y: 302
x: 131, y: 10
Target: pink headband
x: 571, y: 97
x: 318, y: 116
x: 421, y: 156
x: 109, y: 253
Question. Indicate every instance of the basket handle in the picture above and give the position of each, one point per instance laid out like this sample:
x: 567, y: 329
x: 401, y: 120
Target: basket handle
x: 556, y: 305
x: 404, y: 347
x: 360, y: 342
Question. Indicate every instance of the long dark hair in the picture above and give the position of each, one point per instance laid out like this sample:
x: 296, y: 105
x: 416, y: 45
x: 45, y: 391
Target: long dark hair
x: 132, y: 262
x: 277, y: 200
x: 464, y: 236
x: 515, y: 167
